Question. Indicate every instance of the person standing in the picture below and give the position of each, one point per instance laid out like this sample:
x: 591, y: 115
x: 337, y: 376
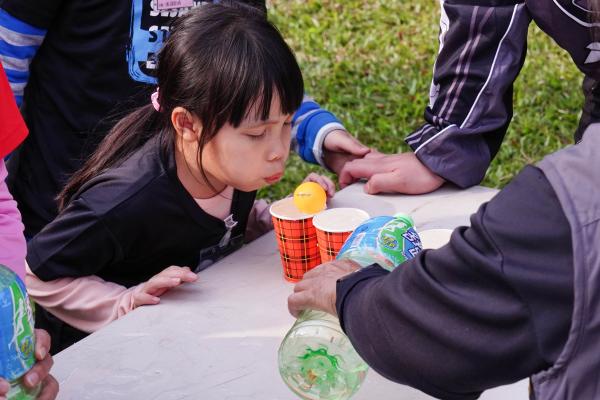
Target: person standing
x: 482, y: 49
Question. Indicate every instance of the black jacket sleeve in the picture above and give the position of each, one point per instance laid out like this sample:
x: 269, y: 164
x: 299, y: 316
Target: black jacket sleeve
x: 482, y: 49
x: 490, y: 308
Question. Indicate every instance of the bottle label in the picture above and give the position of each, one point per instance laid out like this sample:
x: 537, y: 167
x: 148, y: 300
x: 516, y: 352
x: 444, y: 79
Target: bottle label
x: 388, y: 241
x: 16, y: 327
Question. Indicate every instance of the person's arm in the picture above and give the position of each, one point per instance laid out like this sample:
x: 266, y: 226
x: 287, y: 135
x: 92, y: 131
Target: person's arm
x: 12, y: 241
x: 320, y: 138
x: 490, y: 308
x: 23, y: 26
x: 482, y: 49
x: 90, y: 303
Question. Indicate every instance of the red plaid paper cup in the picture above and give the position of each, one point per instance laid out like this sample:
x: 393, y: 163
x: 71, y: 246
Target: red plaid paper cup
x: 333, y: 228
x: 296, y: 239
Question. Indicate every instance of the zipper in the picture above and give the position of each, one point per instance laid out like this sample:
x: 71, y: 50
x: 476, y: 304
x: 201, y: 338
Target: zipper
x: 230, y: 223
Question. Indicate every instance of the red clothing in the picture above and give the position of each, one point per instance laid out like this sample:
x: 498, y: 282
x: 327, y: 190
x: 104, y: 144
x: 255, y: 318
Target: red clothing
x: 12, y: 127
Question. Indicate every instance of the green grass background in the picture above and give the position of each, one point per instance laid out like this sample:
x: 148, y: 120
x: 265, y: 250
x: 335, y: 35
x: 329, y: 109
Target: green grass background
x: 370, y: 62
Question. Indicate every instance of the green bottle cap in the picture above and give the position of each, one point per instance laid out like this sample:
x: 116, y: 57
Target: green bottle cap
x: 407, y: 219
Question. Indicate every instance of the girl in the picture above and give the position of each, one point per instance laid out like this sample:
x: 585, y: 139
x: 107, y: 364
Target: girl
x: 174, y: 182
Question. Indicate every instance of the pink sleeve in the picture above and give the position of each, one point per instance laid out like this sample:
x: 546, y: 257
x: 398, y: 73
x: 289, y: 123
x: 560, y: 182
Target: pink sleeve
x: 12, y: 242
x: 259, y: 221
x: 88, y: 303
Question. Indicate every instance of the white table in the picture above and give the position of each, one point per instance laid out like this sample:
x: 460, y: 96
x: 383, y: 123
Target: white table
x: 217, y: 339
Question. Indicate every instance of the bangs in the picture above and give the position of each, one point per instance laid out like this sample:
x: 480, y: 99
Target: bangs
x: 258, y: 71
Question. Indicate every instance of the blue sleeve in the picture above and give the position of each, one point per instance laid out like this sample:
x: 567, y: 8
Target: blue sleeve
x: 19, y: 42
x: 310, y: 126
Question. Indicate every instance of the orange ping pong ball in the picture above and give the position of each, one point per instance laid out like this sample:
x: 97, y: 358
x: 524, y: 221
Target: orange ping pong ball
x: 310, y: 198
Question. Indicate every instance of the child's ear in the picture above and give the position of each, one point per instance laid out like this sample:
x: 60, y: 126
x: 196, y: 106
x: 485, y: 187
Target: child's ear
x: 186, y: 124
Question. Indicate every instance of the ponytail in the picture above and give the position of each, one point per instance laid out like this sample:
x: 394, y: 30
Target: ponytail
x: 128, y: 135
x: 221, y: 62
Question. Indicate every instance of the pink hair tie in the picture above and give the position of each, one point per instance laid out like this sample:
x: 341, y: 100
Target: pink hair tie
x: 154, y: 98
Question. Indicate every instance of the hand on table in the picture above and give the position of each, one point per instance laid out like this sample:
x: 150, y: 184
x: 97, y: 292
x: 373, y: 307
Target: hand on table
x: 317, y: 289
x: 340, y: 147
x: 326, y: 183
x: 395, y: 173
x: 40, y: 372
x: 149, y: 292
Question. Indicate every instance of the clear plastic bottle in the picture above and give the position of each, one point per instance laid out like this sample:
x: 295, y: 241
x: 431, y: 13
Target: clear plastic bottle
x: 316, y: 359
x: 17, y: 340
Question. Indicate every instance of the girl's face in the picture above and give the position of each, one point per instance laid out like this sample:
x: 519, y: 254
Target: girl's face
x: 246, y: 157
x: 252, y: 155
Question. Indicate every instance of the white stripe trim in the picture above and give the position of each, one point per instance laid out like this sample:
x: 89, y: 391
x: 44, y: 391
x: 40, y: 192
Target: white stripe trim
x: 492, y: 68
x: 468, y: 64
x: 19, y: 39
x: 574, y: 18
x: 433, y: 137
x: 18, y: 88
x: 425, y: 132
x: 434, y: 89
x: 299, y: 121
x: 418, y: 132
x: 473, y: 31
x: 320, y: 140
x: 16, y: 64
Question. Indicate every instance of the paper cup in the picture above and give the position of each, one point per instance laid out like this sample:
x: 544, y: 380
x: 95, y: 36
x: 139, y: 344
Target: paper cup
x: 296, y: 238
x: 334, y: 226
x: 435, y: 238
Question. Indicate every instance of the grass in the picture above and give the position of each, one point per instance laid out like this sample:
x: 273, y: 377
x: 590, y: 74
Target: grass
x: 371, y: 64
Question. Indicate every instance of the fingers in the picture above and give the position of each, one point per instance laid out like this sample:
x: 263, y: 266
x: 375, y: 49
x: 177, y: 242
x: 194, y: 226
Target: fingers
x: 388, y: 182
x: 375, y: 154
x: 167, y: 279
x: 42, y: 344
x: 358, y: 169
x: 38, y: 372
x: 157, y: 285
x: 145, y: 299
x: 49, y: 389
x: 297, y: 302
x: 323, y: 181
x: 410, y: 178
x: 342, y: 142
x: 4, y: 388
x: 184, y: 274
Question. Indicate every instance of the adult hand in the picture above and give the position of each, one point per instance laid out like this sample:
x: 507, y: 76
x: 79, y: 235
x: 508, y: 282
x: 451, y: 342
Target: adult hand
x: 40, y: 372
x: 396, y: 173
x: 149, y: 292
x: 317, y: 289
x: 341, y: 147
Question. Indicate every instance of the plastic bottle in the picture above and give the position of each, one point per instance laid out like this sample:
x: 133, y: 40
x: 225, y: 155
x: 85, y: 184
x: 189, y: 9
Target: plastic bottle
x: 316, y: 359
x: 17, y: 337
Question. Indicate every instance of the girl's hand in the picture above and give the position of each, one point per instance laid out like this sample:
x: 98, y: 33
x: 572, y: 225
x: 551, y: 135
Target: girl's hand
x: 149, y: 293
x: 324, y: 181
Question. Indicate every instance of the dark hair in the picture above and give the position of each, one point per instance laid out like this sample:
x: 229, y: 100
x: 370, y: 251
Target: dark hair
x: 220, y: 62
